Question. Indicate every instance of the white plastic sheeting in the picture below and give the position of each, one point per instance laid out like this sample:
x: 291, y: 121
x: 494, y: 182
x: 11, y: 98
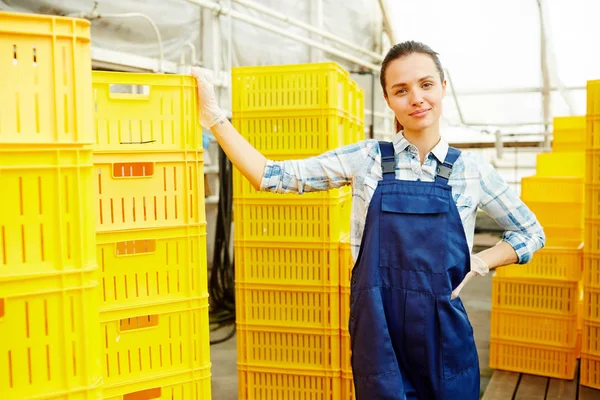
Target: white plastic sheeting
x: 179, y: 21
x: 496, y: 45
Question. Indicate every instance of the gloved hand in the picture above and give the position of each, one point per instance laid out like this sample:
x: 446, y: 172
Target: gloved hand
x: 478, y: 268
x: 208, y: 108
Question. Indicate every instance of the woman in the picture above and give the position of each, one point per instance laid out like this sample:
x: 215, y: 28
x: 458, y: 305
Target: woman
x: 415, y: 202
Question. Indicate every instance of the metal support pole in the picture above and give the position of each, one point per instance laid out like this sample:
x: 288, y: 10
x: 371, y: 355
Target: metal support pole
x: 545, y: 78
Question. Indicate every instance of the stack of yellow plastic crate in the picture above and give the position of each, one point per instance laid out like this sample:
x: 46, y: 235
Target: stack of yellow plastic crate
x: 151, y: 237
x: 346, y: 266
x: 48, y: 276
x: 534, y: 327
x: 287, y: 246
x: 590, y: 345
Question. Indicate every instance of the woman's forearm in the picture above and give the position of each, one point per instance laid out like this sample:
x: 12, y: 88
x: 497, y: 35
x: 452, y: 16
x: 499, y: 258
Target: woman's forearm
x: 499, y: 255
x: 249, y: 161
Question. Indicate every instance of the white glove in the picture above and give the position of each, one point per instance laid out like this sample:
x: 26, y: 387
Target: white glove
x: 478, y: 268
x: 208, y: 108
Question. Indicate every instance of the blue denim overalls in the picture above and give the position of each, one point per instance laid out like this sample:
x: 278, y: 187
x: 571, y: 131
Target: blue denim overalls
x: 409, y: 340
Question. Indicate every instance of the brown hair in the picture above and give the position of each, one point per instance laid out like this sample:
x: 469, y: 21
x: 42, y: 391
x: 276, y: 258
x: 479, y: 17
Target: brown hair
x: 404, y: 49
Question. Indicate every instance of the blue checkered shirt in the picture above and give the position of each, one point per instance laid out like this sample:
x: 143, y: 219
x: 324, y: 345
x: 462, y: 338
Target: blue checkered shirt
x: 474, y: 181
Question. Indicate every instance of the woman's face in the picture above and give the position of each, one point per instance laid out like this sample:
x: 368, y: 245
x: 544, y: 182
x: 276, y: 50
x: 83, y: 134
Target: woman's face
x: 414, y: 91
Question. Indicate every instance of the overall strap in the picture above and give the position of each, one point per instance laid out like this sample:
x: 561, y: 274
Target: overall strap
x: 388, y: 161
x: 444, y: 170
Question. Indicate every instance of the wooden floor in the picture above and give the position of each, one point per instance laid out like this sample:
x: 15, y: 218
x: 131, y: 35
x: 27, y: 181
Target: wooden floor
x: 514, y: 386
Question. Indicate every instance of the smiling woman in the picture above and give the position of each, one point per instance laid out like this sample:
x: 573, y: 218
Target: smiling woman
x: 413, y: 217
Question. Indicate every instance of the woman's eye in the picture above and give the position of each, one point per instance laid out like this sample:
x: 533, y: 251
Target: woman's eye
x: 427, y: 84
x: 401, y: 91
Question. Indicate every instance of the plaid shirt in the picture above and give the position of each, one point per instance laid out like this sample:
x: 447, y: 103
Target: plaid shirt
x: 475, y: 184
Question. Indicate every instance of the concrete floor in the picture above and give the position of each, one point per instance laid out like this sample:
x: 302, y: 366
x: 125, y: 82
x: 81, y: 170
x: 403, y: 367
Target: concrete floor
x: 477, y: 300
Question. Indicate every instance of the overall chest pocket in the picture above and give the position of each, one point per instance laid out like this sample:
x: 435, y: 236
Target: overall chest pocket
x: 413, y: 232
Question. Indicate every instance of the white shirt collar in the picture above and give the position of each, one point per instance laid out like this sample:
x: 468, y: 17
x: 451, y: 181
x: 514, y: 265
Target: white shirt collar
x: 439, y: 151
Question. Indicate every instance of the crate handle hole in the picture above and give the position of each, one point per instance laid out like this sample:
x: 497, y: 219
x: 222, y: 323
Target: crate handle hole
x: 135, y: 247
x: 145, y: 321
x: 123, y: 91
x: 147, y: 394
x: 128, y: 170
x: 1, y: 308
x: 15, y: 58
x: 34, y: 56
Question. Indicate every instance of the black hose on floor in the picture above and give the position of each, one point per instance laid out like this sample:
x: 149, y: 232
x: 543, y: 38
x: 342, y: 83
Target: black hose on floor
x: 221, y: 286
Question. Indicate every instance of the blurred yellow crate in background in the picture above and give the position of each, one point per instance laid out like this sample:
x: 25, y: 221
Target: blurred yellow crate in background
x: 535, y: 295
x: 561, y: 263
x: 257, y: 383
x: 305, y: 220
x: 555, y: 362
x: 295, y: 87
x: 560, y: 164
x: 307, y: 264
x: 555, y: 189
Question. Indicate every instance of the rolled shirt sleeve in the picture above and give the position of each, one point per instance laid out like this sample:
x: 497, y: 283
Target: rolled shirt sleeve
x: 522, y: 229
x: 332, y: 169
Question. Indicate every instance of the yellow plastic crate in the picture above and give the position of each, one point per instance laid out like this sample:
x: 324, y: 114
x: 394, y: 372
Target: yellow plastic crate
x: 348, y: 392
x: 590, y: 339
x: 154, y: 342
x: 145, y: 112
x: 47, y: 212
x: 558, y: 215
x: 573, y: 124
x: 593, y: 98
x: 346, y: 262
x: 193, y: 384
x: 563, y: 236
x: 591, y: 303
x: 289, y: 348
x: 562, y: 263
x: 295, y: 306
x: 591, y: 270
x: 592, y: 167
x: 553, y: 362
x: 555, y: 189
x: 569, y: 134
x: 346, y: 352
x: 307, y: 220
x: 568, y: 147
x: 257, y: 383
x: 146, y: 267
x: 592, y: 201
x: 526, y: 294
x: 295, y: 87
x: 344, y: 307
x: 298, y: 134
x: 243, y: 190
x: 592, y: 132
x: 560, y: 164
x: 537, y: 328
x: 592, y: 235
x: 589, y: 368
x: 45, y: 76
x: 308, y: 264
x: 149, y: 190
x: 51, y: 344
